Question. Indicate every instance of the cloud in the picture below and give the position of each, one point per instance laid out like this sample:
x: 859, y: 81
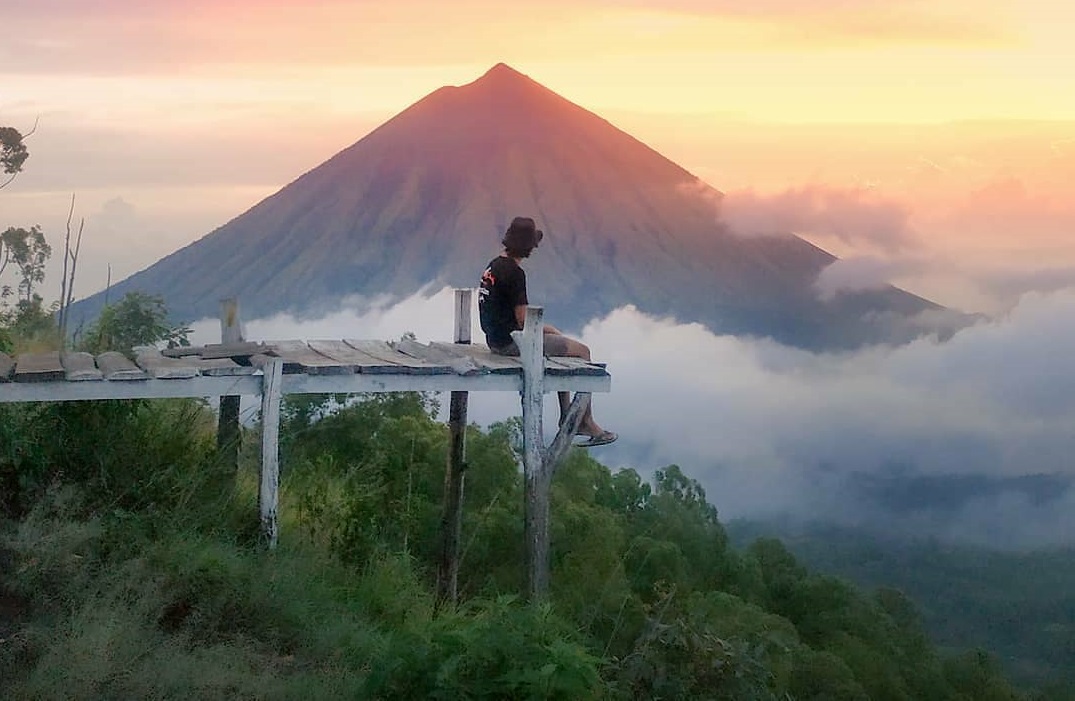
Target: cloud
x: 852, y: 215
x: 968, y: 439
x: 863, y: 273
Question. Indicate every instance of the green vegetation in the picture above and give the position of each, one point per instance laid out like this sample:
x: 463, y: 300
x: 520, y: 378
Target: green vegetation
x: 1018, y: 605
x: 131, y: 569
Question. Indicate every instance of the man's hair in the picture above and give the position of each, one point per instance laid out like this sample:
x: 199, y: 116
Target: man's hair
x: 522, y: 237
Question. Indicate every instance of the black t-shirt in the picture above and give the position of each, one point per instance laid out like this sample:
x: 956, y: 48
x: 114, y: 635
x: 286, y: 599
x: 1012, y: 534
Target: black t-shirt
x: 503, y: 287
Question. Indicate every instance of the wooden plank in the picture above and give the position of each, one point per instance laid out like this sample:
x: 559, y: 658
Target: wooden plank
x: 269, y: 491
x: 7, y: 367
x: 310, y: 361
x: 204, y: 386
x: 117, y: 367
x: 360, y: 382
x: 459, y: 364
x: 483, y: 357
x: 220, y: 367
x: 212, y: 351
x: 80, y: 367
x: 353, y: 358
x: 406, y: 365
x: 160, y: 368
x: 561, y: 365
x: 39, y: 367
x: 64, y: 391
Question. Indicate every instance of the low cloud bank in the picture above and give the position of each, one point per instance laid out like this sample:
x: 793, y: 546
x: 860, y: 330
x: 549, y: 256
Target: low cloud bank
x: 969, y: 439
x: 851, y: 215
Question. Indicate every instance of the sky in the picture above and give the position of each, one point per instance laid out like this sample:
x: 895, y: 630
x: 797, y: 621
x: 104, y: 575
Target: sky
x: 167, y: 119
x: 930, y: 143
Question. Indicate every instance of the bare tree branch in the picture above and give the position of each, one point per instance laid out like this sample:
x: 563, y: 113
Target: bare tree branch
x: 29, y: 133
x: 63, y: 276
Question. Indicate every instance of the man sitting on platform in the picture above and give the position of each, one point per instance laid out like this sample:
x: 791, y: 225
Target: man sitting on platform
x: 502, y: 308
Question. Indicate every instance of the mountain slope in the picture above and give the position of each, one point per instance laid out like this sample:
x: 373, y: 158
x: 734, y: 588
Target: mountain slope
x: 425, y: 197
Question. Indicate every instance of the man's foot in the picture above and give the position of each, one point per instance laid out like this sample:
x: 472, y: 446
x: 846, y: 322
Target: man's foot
x: 602, y: 438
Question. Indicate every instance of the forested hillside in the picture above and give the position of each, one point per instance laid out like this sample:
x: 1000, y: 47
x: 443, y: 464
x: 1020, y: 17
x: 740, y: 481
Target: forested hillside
x: 131, y: 569
x: 1019, y: 605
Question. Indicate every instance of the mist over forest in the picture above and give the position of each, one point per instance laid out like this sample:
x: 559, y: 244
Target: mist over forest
x: 967, y: 439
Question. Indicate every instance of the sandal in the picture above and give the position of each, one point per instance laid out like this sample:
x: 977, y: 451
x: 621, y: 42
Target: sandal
x: 603, y: 438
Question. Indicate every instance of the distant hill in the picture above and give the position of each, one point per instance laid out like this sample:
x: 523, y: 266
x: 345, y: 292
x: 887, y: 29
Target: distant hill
x: 1018, y: 605
x: 424, y: 199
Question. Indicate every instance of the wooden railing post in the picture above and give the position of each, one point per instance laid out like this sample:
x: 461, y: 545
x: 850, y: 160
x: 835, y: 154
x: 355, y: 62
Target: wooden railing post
x: 538, y: 477
x: 269, y: 493
x: 451, y: 524
x: 228, y: 431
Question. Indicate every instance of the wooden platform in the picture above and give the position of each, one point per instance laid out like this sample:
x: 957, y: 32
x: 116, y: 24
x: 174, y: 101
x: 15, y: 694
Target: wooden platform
x: 328, y: 366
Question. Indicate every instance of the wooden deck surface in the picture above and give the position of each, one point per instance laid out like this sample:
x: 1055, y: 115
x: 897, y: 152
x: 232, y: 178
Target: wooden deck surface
x: 349, y: 365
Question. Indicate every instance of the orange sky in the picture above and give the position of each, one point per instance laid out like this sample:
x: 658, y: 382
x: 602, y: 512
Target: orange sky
x: 168, y: 118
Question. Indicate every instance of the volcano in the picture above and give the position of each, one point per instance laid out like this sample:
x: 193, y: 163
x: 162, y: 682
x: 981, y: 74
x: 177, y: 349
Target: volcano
x: 422, y: 201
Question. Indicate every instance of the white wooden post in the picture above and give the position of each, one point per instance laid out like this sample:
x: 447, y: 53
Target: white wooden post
x: 454, y: 477
x: 269, y: 494
x: 228, y: 432
x: 537, y: 478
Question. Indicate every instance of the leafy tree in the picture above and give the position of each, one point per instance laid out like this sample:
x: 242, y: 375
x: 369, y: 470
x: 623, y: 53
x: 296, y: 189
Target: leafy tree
x: 28, y: 251
x: 13, y: 152
x: 138, y: 319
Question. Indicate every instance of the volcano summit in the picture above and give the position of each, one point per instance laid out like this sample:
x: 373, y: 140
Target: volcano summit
x: 422, y: 201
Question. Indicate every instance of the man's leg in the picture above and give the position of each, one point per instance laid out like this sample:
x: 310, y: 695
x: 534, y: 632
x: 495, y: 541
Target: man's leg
x: 557, y: 344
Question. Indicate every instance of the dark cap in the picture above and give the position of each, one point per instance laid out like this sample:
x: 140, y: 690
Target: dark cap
x: 522, y: 234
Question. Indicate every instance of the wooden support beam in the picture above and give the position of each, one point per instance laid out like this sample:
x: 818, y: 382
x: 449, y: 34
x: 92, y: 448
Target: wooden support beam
x: 228, y: 430
x: 7, y: 367
x: 269, y: 493
x: 451, y: 524
x: 557, y: 450
x: 537, y: 478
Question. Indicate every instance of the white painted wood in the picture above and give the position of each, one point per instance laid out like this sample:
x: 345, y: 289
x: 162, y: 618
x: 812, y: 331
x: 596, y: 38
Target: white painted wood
x: 209, y: 386
x: 64, y: 391
x: 269, y: 493
x: 537, y: 483
x: 463, y: 303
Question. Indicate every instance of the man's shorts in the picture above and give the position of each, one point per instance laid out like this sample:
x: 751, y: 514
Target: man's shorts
x: 555, y: 345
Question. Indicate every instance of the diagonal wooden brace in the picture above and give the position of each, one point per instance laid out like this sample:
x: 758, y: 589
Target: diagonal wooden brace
x: 554, y: 454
